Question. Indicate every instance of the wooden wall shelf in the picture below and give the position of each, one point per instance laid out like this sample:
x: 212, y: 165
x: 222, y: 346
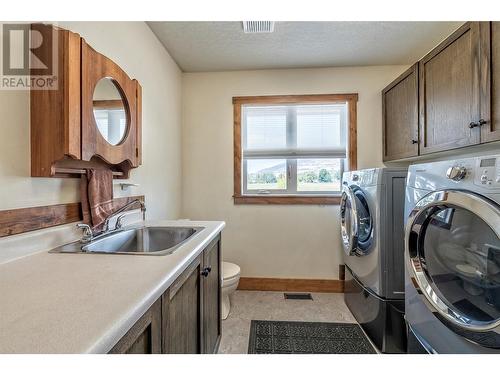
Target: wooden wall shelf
x: 80, y: 171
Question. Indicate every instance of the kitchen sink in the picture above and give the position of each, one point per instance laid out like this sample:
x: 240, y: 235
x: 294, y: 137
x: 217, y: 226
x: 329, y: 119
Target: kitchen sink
x: 139, y: 241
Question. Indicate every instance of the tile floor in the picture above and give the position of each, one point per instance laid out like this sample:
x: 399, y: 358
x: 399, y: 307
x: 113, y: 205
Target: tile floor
x: 246, y: 305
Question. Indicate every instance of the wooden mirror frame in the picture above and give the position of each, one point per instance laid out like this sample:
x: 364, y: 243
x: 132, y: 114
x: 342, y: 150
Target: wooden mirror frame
x: 96, y: 66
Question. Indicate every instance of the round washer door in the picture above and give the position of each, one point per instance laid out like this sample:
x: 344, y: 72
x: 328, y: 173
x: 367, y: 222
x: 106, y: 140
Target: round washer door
x: 453, y: 246
x: 356, y: 222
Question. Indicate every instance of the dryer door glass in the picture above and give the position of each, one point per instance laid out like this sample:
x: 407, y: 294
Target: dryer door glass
x: 454, y: 248
x: 462, y: 257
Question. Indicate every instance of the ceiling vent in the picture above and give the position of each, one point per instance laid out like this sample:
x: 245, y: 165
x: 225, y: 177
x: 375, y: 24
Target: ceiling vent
x: 251, y: 27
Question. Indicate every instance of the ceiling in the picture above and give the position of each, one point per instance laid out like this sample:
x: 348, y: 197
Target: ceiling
x: 219, y: 46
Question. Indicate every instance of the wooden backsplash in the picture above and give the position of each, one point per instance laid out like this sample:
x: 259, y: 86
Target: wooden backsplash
x: 23, y: 220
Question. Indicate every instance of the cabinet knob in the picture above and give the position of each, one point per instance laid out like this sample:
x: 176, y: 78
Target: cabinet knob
x: 473, y: 124
x: 414, y: 141
x: 206, y: 271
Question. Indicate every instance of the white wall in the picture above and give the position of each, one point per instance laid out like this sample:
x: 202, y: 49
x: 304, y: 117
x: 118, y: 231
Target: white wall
x: 136, y: 49
x: 270, y: 241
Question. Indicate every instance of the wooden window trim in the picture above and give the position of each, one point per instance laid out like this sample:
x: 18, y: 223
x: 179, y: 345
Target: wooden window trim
x: 108, y: 104
x: 238, y: 101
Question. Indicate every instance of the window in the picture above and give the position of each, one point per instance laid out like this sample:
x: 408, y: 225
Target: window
x: 111, y: 124
x: 293, y: 149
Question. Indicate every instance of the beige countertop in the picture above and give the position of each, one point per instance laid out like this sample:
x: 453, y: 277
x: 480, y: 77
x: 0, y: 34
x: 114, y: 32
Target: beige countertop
x: 84, y: 303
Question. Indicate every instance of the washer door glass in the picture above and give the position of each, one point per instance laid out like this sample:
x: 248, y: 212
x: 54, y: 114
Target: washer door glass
x: 348, y: 221
x: 454, y: 250
x: 365, y: 223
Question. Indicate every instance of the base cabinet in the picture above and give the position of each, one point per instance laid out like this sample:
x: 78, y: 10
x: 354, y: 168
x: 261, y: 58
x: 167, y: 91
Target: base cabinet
x: 212, y: 298
x: 187, y: 318
x: 144, y: 337
x: 181, y: 313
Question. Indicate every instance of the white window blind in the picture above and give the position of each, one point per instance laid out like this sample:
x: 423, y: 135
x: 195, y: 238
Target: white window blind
x: 294, y: 131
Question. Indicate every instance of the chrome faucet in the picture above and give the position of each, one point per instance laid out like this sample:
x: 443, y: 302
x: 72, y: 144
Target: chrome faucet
x: 122, y: 209
x: 89, y: 235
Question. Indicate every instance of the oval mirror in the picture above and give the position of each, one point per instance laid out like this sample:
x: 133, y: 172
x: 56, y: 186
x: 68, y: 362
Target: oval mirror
x: 109, y: 111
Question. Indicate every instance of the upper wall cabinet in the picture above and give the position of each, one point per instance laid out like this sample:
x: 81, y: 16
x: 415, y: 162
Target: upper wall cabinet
x: 490, y: 81
x: 92, y: 119
x: 458, y: 96
x: 449, y: 92
x: 400, y: 116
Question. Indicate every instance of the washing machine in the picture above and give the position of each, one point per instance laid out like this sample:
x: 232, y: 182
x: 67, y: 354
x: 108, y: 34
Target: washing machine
x: 452, y: 256
x: 372, y: 232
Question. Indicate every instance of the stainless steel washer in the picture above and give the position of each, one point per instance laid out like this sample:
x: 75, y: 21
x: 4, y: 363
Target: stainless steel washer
x: 371, y: 211
x: 453, y: 256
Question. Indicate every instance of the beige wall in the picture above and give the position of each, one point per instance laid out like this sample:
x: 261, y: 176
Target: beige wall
x: 136, y: 49
x: 270, y: 241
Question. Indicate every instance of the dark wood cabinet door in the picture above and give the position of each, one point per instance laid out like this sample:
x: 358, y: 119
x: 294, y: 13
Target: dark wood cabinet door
x: 400, y: 116
x: 181, y: 313
x: 144, y: 337
x: 449, y: 92
x: 212, y: 309
x: 490, y: 81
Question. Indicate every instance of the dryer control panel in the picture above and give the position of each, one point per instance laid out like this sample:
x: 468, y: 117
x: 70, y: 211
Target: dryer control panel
x: 487, y: 172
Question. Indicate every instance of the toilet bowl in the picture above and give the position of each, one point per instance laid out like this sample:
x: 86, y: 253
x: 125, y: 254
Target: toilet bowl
x: 231, y: 278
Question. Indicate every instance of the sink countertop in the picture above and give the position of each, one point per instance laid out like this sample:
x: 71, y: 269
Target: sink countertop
x: 84, y: 303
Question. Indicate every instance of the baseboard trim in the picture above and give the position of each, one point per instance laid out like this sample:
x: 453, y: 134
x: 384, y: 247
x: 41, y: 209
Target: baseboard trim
x: 291, y: 285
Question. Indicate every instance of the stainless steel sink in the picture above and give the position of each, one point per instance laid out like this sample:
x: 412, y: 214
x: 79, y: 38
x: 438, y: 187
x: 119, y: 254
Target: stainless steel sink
x: 142, y: 240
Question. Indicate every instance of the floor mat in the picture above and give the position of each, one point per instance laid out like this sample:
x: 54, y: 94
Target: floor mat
x: 280, y: 337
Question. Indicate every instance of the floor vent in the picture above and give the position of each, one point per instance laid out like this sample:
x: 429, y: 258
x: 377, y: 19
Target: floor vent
x: 251, y: 27
x: 298, y: 296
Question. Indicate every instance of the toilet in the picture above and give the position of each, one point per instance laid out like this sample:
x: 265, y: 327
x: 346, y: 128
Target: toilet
x: 231, y: 278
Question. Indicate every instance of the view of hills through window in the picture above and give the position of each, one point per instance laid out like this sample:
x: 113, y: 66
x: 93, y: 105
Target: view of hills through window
x: 312, y: 174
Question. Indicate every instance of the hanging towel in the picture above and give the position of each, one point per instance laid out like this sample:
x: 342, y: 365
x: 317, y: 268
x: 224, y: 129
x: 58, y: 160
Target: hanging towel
x: 97, y: 196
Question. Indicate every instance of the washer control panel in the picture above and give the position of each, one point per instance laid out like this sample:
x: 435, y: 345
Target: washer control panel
x: 487, y: 172
x: 364, y: 177
x: 456, y: 173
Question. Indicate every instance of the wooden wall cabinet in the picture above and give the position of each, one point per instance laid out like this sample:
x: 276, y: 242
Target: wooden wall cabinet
x: 55, y: 114
x: 449, y: 92
x: 65, y: 139
x: 490, y: 81
x: 95, y: 67
x: 400, y: 116
x: 187, y: 318
x: 458, y: 96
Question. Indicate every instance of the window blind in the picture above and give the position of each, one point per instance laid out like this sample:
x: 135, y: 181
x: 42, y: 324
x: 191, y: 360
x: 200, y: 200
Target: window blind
x: 294, y: 131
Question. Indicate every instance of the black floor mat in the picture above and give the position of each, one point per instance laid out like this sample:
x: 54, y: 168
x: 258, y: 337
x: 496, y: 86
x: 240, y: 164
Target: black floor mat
x: 279, y: 337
